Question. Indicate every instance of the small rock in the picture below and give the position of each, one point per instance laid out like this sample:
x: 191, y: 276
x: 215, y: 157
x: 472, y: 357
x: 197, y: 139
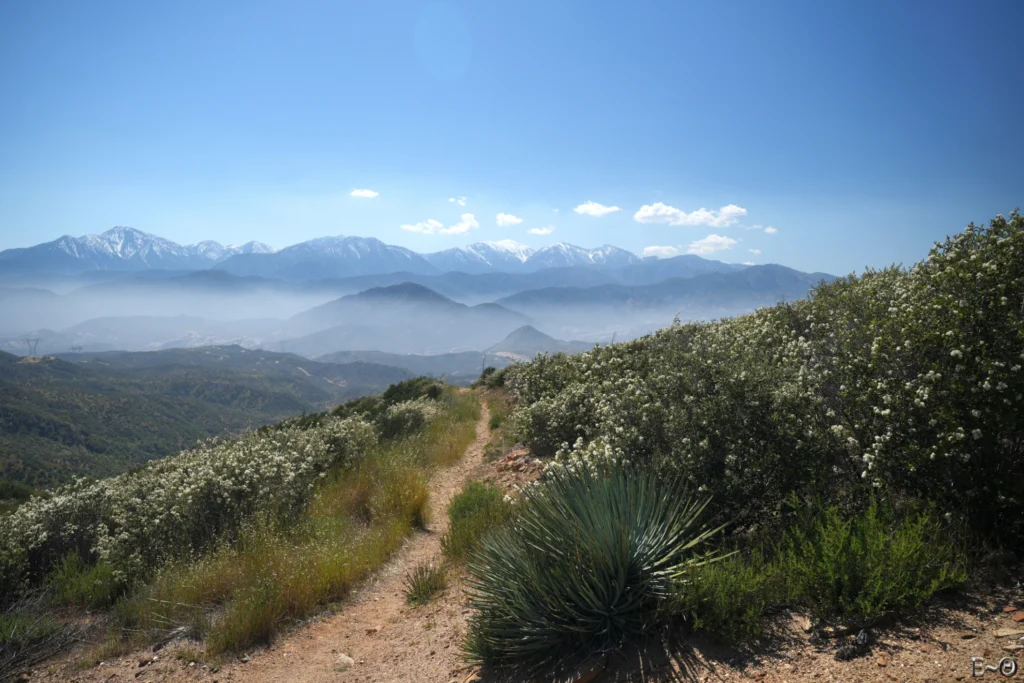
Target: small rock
x: 344, y: 663
x: 1007, y: 633
x: 146, y: 660
x: 1009, y: 609
x: 968, y: 636
x: 1013, y: 648
x: 882, y: 661
x: 372, y: 631
x: 23, y: 677
x: 1018, y: 617
x: 244, y: 659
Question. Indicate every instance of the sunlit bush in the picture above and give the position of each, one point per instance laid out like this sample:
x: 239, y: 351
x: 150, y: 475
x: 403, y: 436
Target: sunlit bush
x: 905, y: 381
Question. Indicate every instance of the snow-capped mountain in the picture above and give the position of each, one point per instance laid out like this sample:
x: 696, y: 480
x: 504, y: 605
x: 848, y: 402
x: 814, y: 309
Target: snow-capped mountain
x: 325, y: 257
x: 329, y: 257
x: 121, y: 248
x: 482, y: 257
x: 560, y: 254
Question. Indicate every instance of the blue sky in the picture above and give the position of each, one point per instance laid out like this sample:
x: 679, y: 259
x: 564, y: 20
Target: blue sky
x: 861, y: 131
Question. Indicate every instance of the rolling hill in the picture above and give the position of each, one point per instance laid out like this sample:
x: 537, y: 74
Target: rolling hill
x: 102, y: 414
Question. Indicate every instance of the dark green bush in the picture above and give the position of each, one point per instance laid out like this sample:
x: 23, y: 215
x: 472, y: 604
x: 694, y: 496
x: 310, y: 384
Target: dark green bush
x: 730, y: 598
x: 582, y: 565
x: 473, y: 512
x: 860, y: 569
x: 423, y: 583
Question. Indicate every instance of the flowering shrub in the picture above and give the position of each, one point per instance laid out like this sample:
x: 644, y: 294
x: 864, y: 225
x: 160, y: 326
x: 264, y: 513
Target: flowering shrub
x: 178, y: 506
x: 904, y: 380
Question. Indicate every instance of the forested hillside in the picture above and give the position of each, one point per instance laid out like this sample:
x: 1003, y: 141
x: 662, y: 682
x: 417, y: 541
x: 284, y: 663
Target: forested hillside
x: 106, y: 413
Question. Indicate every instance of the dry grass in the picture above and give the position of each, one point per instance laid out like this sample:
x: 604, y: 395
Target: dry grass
x: 242, y: 594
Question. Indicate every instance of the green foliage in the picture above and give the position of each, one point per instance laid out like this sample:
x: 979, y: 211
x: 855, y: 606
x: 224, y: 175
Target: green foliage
x: 908, y: 382
x: 112, y: 412
x: 582, y: 565
x: 472, y: 513
x: 424, y: 582
x: 860, y: 569
x: 731, y: 597
x: 283, y: 567
x: 844, y: 567
x: 74, y: 582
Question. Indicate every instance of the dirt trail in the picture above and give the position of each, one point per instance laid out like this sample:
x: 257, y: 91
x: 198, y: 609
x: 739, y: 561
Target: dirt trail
x: 387, y: 639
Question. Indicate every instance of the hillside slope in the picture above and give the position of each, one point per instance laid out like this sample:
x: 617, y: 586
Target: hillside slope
x: 105, y: 413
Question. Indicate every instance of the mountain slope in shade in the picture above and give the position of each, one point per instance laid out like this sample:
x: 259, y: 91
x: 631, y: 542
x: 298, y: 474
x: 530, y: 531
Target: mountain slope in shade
x: 742, y: 289
x: 404, y: 318
x: 121, y: 248
x: 527, y: 341
x: 457, y: 368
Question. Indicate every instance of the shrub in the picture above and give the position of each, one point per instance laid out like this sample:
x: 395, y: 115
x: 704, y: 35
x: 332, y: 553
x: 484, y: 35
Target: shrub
x: 582, y: 565
x: 906, y: 382
x: 731, y: 597
x: 423, y: 583
x: 473, y: 512
x: 74, y: 582
x: 860, y: 569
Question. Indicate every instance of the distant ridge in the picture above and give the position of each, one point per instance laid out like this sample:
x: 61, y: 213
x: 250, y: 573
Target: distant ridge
x: 528, y: 341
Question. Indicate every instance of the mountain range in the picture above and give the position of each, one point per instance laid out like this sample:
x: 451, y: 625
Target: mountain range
x: 121, y: 248
x: 129, y: 249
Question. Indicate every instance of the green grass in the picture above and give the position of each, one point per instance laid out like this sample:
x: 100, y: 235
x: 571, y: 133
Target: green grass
x: 74, y: 582
x: 278, y: 573
x: 424, y: 582
x: 473, y: 512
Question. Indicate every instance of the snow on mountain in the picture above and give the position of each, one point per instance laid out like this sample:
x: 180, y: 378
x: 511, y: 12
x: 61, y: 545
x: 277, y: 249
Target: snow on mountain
x: 124, y: 248
x: 329, y: 257
x: 482, y: 257
x: 560, y: 255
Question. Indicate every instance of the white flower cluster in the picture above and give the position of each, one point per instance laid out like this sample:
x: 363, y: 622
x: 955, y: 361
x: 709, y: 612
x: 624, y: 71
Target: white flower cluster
x: 177, y: 506
x: 908, y: 379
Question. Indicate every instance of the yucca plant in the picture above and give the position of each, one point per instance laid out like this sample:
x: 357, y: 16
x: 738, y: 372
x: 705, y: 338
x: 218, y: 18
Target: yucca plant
x: 582, y: 566
x: 423, y: 583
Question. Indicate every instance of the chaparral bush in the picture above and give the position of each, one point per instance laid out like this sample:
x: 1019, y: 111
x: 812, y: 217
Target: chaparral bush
x: 174, y: 507
x: 904, y: 382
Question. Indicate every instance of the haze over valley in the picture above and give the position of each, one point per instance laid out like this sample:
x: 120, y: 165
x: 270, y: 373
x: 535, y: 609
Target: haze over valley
x: 127, y: 290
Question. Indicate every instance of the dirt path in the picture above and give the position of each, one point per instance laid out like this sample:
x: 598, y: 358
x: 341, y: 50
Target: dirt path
x: 386, y: 639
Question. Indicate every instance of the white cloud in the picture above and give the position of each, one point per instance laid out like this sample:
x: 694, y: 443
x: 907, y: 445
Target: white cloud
x: 546, y: 230
x: 434, y: 227
x: 748, y: 263
x: 770, y: 230
x: 507, y: 219
x: 461, y: 201
x: 661, y: 252
x: 468, y: 222
x: 711, y: 244
x: 756, y: 252
x: 364, y: 193
x: 595, y: 209
x: 663, y: 213
x: 555, y: 210
x: 427, y: 227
